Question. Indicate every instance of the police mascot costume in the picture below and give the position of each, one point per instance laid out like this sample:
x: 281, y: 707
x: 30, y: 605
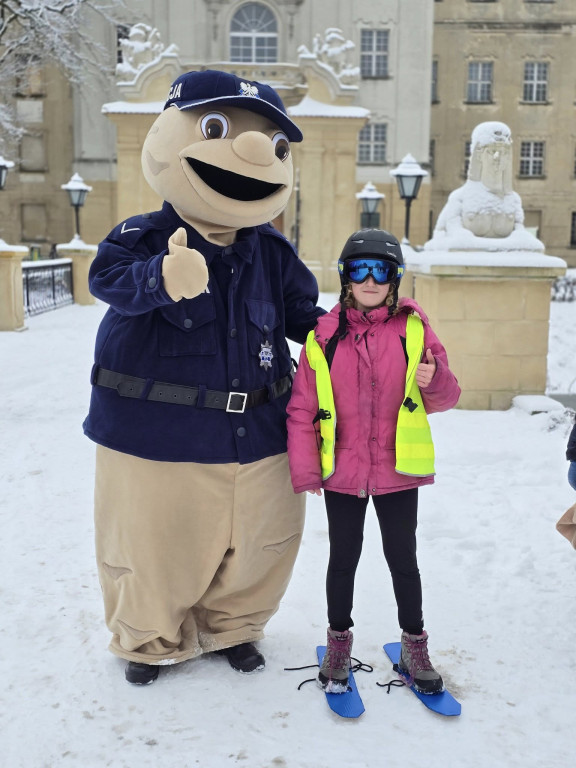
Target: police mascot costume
x: 197, y: 526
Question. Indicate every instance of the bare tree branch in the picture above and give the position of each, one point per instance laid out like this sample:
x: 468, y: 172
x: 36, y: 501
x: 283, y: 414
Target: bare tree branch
x: 44, y: 32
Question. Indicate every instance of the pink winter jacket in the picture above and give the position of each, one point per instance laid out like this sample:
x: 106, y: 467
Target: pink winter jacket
x: 368, y: 378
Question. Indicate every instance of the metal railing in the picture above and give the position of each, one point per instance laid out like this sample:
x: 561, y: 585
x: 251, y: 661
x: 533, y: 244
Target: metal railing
x: 564, y: 288
x: 46, y: 285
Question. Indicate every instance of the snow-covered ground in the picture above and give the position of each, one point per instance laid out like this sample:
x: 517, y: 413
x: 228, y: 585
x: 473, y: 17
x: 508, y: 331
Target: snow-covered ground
x: 499, y: 589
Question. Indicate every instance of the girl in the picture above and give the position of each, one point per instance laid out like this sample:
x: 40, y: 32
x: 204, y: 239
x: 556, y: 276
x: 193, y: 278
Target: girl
x: 368, y: 375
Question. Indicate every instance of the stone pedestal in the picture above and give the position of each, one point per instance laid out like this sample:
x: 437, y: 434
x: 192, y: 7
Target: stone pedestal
x: 491, y: 312
x: 11, y: 296
x: 82, y: 256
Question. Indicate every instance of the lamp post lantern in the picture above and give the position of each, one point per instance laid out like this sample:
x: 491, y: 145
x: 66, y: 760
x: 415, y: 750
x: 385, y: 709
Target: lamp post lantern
x: 409, y: 177
x: 77, y: 192
x: 5, y: 166
x: 370, y: 199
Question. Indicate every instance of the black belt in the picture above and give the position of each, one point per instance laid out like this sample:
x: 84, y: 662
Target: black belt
x: 147, y: 389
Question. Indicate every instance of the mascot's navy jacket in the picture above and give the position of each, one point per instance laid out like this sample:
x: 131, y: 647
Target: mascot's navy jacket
x: 231, y: 338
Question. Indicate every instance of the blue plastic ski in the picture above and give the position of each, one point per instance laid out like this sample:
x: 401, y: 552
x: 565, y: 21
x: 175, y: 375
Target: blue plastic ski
x: 344, y: 704
x: 442, y: 703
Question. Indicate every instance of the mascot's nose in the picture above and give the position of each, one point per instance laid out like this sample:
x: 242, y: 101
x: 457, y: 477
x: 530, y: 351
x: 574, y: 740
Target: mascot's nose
x: 254, y: 147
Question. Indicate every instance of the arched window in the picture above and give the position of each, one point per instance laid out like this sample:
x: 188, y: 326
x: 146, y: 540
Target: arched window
x: 254, y: 34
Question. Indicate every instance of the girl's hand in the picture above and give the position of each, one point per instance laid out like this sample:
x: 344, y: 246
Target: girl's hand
x: 317, y: 491
x: 425, y: 371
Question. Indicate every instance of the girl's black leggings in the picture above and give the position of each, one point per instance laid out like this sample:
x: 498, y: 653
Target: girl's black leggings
x: 397, y: 515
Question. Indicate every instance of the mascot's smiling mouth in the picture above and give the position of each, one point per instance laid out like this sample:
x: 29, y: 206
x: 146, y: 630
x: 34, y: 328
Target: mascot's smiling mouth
x: 232, y: 184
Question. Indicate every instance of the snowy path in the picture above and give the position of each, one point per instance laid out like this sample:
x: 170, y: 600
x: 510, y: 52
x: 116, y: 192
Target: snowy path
x: 500, y: 601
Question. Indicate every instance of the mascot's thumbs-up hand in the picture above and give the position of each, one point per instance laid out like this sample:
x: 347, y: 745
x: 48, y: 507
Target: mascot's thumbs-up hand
x: 184, y: 269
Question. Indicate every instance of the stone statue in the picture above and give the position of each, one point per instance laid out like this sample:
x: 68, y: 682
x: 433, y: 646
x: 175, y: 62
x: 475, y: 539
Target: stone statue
x: 142, y: 47
x: 485, y: 213
x: 333, y: 52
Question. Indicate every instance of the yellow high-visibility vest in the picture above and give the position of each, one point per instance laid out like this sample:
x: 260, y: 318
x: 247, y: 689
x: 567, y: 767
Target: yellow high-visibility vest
x: 326, y: 408
x: 414, y: 446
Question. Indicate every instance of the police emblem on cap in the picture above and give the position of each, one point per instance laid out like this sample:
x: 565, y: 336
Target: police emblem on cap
x: 248, y: 90
x: 266, y: 355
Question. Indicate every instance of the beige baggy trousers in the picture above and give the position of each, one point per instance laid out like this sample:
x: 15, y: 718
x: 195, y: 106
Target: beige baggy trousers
x: 192, y: 557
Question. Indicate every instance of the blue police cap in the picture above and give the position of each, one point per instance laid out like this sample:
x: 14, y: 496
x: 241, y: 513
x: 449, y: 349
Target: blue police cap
x: 195, y: 89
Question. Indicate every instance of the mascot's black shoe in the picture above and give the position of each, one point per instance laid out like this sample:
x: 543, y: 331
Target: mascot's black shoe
x: 141, y: 674
x: 244, y: 657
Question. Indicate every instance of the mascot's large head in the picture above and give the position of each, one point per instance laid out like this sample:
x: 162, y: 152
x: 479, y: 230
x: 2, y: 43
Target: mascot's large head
x: 220, y: 151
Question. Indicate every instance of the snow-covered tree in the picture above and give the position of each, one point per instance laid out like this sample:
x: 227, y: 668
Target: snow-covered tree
x: 37, y: 33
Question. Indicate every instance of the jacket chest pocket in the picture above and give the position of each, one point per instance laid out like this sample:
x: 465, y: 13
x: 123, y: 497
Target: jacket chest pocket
x: 262, y: 322
x: 188, y: 327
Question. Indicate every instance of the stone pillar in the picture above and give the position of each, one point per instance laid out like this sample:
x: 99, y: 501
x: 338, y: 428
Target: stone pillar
x: 327, y: 164
x: 493, y: 319
x: 11, y: 296
x: 82, y: 256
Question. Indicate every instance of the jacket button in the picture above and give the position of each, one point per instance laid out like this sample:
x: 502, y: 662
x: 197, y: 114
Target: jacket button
x: 362, y: 493
x: 233, y: 333
x: 265, y: 328
x: 187, y: 323
x: 241, y: 431
x: 235, y: 382
x: 152, y: 282
x: 373, y: 490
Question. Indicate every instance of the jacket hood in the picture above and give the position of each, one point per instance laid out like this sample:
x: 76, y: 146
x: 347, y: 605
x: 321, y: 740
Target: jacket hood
x: 328, y: 323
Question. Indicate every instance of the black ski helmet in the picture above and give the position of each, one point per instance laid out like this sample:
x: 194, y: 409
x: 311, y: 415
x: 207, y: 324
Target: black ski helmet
x: 376, y: 243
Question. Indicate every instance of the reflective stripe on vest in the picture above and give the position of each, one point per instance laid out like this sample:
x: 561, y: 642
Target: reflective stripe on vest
x: 318, y: 363
x: 414, y: 446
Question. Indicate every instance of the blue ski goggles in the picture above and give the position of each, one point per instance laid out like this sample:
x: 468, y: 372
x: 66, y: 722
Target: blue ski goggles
x: 359, y: 270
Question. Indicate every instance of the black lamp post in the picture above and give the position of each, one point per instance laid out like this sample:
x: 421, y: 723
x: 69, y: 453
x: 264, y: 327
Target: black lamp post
x: 77, y: 192
x: 5, y: 166
x: 296, y: 225
x: 370, y: 199
x: 409, y: 177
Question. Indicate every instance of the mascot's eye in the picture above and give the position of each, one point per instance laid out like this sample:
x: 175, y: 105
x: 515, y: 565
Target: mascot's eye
x: 281, y: 146
x: 214, y: 126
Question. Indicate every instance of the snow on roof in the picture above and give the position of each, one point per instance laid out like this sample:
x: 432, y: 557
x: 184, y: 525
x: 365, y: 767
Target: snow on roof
x: 7, y: 248
x: 311, y: 108
x: 135, y: 108
x: 427, y: 259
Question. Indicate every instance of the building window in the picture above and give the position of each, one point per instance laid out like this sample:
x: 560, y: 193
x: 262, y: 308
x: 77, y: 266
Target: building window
x: 536, y: 81
x: 29, y: 78
x: 374, y: 52
x: 467, y: 154
x: 533, y: 222
x: 532, y: 158
x: 372, y: 144
x: 34, y: 222
x: 254, y: 35
x: 432, y: 153
x: 479, y: 82
x: 33, y: 154
x: 122, y: 33
x: 435, y: 82
x: 573, y: 231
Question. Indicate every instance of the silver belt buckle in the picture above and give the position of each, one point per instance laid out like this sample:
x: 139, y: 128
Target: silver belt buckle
x: 229, y: 409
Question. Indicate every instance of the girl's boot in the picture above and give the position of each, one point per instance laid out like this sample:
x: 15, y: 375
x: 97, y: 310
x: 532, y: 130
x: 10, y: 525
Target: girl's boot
x: 333, y: 675
x: 415, y: 664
